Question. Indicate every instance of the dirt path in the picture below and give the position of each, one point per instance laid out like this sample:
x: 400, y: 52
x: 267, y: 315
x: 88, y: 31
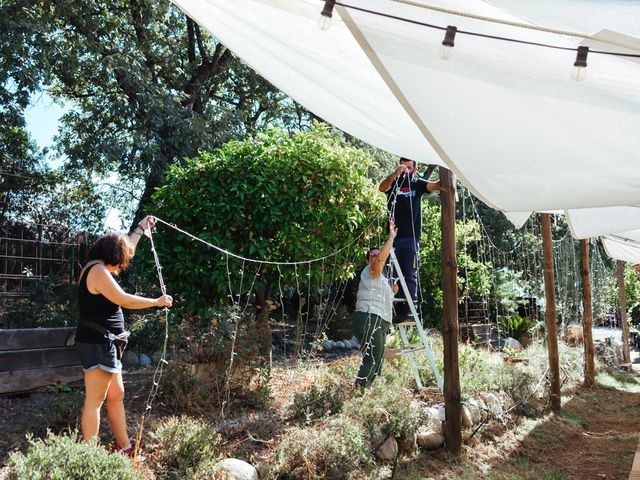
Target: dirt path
x: 594, y: 437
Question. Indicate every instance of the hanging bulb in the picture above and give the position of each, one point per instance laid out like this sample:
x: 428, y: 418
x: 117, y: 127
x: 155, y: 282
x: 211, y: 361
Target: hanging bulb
x: 446, y: 49
x: 579, y: 70
x: 324, y: 22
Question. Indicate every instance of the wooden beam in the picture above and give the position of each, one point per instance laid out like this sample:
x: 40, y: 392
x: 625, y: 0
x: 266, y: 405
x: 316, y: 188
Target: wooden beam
x: 550, y: 314
x: 626, y: 355
x: 452, y: 397
x: 29, y: 379
x: 25, y: 338
x: 14, y: 360
x: 587, y: 318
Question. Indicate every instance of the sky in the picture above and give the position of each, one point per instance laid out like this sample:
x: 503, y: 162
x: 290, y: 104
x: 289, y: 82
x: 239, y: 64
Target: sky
x: 43, y: 121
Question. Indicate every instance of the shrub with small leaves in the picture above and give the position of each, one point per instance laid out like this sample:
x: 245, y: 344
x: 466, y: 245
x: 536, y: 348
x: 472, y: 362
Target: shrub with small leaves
x: 322, y: 399
x: 384, y: 410
x: 329, y: 450
x: 63, y: 457
x: 182, y: 443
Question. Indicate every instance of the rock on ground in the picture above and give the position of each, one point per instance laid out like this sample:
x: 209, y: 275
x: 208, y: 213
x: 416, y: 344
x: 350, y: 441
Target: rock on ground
x: 130, y: 359
x: 429, y: 439
x: 388, y: 450
x: 237, y: 469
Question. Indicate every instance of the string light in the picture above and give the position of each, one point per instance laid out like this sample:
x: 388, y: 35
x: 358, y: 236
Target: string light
x: 579, y: 70
x: 446, y: 49
x: 324, y: 22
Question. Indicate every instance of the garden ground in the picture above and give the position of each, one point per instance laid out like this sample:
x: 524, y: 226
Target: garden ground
x: 595, y: 435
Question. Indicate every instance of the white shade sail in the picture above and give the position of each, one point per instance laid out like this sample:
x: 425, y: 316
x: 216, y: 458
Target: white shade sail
x: 504, y: 116
x: 621, y: 249
x: 593, y: 222
x: 326, y: 72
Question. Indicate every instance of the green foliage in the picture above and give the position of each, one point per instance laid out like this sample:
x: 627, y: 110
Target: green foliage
x: 329, y: 450
x: 384, y: 409
x: 64, y: 458
x: 145, y: 86
x: 473, y: 276
x: 516, y: 326
x: 181, y: 444
x: 274, y: 197
x: 631, y: 288
x: 64, y: 409
x: 322, y: 399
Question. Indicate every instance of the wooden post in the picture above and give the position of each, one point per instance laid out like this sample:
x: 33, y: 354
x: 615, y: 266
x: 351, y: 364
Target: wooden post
x: 626, y: 355
x: 587, y: 318
x: 550, y: 315
x: 452, y: 397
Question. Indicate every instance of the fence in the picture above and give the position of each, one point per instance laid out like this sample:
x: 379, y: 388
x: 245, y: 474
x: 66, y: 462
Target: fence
x: 36, y: 262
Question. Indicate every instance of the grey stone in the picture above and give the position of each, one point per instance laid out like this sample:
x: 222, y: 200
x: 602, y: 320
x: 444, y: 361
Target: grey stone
x: 512, y: 343
x: 429, y: 439
x: 237, y: 469
x: 339, y: 345
x: 474, y: 410
x: 347, y: 344
x: 388, y: 450
x: 327, y: 345
x: 130, y: 359
x: 467, y: 421
x: 145, y: 360
x: 492, y: 402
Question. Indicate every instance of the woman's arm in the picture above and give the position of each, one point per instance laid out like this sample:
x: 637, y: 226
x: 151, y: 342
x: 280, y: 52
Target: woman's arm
x: 147, y: 222
x: 376, y: 267
x: 99, y: 280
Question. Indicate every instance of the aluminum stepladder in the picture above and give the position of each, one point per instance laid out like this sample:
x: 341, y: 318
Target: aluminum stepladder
x: 411, y: 349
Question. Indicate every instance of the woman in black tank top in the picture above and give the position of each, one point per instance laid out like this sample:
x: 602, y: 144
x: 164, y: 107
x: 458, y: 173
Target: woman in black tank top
x: 101, y: 330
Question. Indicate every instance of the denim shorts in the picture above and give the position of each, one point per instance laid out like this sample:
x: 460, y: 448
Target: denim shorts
x: 99, y: 355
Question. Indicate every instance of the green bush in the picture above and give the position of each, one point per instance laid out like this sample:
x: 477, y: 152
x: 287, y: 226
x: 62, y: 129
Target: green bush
x: 516, y: 326
x: 384, y: 409
x: 330, y: 450
x: 182, y: 444
x: 64, y: 458
x: 322, y: 399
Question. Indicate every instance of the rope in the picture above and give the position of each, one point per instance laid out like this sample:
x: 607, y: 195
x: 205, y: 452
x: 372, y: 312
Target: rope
x: 527, y: 26
x: 266, y: 262
x: 157, y: 374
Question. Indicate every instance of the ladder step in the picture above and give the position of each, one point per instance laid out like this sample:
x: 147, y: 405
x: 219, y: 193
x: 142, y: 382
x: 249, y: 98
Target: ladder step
x: 399, y: 300
x: 409, y: 323
x: 411, y: 349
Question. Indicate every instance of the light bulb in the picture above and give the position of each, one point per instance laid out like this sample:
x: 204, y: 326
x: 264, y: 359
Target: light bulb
x: 578, y: 73
x: 445, y: 52
x: 324, y: 23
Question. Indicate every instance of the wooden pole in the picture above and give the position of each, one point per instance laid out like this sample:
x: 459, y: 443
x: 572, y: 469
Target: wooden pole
x: 587, y: 318
x: 626, y: 355
x: 550, y: 315
x: 452, y: 397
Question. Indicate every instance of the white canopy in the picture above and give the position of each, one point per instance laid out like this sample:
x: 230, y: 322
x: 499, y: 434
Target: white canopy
x: 623, y: 249
x: 504, y: 116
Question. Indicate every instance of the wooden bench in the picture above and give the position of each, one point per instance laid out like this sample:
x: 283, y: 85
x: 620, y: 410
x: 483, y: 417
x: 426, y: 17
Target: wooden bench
x: 35, y: 357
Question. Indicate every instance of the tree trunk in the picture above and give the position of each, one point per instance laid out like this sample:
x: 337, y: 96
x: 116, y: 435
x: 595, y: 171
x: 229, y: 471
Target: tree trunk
x: 452, y: 397
x: 626, y: 355
x: 550, y: 314
x: 263, y: 331
x: 587, y: 318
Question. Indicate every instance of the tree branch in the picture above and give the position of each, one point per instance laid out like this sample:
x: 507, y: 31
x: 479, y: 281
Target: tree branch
x: 201, y: 46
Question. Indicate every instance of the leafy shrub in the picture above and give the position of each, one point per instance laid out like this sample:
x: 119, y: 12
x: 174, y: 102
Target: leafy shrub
x: 63, y: 457
x: 322, y: 399
x: 65, y: 408
x: 384, y: 410
x: 182, y: 443
x: 516, y: 326
x: 330, y: 450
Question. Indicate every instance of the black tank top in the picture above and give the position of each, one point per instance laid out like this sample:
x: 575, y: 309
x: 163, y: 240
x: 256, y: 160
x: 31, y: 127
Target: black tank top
x: 96, y: 308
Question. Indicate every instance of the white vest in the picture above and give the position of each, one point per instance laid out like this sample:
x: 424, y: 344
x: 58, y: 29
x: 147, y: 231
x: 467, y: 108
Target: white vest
x: 374, y: 295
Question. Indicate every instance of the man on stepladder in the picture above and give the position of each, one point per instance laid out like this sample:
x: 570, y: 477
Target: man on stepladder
x: 404, y: 190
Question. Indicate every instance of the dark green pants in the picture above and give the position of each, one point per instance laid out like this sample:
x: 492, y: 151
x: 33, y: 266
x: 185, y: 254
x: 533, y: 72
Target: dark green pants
x: 371, y: 331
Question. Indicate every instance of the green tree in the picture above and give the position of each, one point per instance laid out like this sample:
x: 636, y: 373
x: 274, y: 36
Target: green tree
x: 145, y: 85
x: 276, y: 196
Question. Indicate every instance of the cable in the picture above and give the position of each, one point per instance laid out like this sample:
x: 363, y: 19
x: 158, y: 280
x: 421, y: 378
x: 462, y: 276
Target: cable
x: 266, y: 262
x: 484, y: 35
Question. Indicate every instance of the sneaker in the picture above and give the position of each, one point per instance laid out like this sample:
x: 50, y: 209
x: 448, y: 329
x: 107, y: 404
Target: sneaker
x: 129, y: 451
